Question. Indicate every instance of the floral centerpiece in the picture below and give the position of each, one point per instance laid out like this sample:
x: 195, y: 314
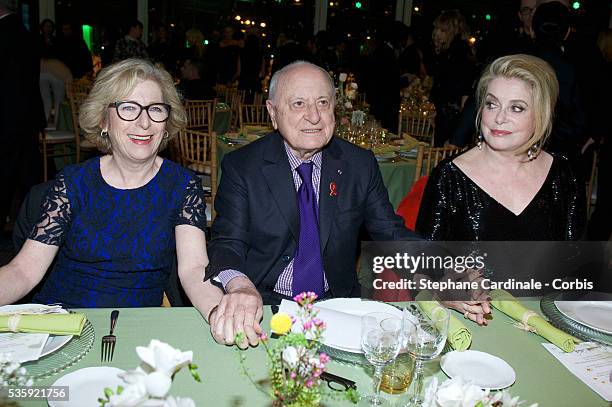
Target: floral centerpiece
x: 456, y: 392
x: 295, y: 365
x: 149, y: 384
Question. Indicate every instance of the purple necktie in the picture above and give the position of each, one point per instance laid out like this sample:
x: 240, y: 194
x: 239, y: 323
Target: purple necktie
x: 307, y: 264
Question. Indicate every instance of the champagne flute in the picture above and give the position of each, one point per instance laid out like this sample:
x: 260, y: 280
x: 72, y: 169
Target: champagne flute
x: 380, y: 342
x: 425, y: 338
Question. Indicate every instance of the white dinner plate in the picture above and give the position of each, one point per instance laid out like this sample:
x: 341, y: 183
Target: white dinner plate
x: 54, y: 342
x: 356, y: 307
x: 594, y: 314
x: 86, y: 385
x: 480, y: 368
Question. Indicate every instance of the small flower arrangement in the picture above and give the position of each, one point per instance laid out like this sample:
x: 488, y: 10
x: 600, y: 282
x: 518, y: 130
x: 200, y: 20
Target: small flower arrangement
x: 456, y: 392
x: 294, y: 363
x: 149, y: 384
x: 12, y: 374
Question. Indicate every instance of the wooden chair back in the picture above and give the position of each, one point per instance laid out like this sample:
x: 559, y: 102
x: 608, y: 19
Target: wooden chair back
x: 417, y: 124
x: 236, y: 101
x: 254, y: 115
x: 76, y: 97
x: 200, y: 114
x: 428, y: 157
x: 198, y: 152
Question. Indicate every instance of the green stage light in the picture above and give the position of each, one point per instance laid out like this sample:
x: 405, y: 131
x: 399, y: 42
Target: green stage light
x: 488, y: 17
x: 87, y: 35
x: 358, y: 4
x: 576, y: 5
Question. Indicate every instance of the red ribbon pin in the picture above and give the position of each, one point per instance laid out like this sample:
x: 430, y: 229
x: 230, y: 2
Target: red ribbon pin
x: 332, y: 189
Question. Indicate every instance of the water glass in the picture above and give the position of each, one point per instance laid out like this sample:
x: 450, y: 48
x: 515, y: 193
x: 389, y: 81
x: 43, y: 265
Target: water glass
x: 380, y: 341
x: 424, y: 338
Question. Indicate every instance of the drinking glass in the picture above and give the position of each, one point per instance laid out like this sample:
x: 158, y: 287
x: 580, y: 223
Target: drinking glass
x: 424, y: 338
x: 380, y: 341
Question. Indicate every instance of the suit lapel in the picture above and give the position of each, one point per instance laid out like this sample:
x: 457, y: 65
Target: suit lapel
x: 331, y: 187
x: 277, y: 173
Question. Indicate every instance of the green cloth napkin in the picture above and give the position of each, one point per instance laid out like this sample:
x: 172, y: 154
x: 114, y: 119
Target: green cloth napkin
x: 459, y: 337
x: 54, y: 324
x: 506, y: 303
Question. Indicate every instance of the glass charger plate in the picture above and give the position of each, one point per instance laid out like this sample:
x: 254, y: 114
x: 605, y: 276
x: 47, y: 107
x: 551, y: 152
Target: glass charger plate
x: 64, y: 357
x: 547, y: 304
x: 352, y: 358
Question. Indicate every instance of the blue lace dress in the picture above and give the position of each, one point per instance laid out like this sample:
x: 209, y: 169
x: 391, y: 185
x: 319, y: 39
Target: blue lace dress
x: 116, y: 246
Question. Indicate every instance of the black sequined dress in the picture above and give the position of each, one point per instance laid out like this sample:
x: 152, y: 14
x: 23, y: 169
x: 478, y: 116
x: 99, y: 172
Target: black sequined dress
x: 455, y: 208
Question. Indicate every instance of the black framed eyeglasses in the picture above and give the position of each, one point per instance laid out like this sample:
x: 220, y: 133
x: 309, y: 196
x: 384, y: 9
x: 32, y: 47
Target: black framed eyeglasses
x: 130, y: 111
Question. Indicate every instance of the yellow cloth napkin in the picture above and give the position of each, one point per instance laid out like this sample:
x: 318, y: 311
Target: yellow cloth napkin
x: 54, y: 324
x: 506, y: 303
x: 410, y: 143
x: 459, y: 337
x: 384, y: 149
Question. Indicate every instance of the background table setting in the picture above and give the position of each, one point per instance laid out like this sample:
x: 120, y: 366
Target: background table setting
x: 504, y: 355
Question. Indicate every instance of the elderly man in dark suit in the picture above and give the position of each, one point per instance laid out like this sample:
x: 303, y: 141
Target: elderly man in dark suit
x: 290, y: 207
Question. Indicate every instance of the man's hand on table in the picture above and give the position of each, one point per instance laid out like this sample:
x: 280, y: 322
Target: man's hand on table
x: 239, y: 311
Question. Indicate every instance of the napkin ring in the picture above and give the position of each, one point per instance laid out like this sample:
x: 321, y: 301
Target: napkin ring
x: 13, y: 322
x: 524, y: 322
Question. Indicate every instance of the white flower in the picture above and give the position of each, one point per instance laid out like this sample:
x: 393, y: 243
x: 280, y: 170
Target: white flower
x: 348, y: 105
x: 429, y: 397
x: 179, y: 402
x: 290, y: 356
x: 131, y: 396
x: 457, y: 393
x: 158, y: 384
x: 342, y: 77
x: 354, y: 85
x: 161, y: 357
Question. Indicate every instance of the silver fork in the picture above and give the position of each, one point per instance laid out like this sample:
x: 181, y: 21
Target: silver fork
x: 108, y: 341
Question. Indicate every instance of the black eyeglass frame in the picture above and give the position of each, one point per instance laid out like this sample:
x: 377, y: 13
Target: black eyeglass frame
x: 146, y: 108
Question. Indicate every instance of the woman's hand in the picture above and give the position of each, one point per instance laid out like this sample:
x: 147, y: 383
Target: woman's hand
x: 473, y: 310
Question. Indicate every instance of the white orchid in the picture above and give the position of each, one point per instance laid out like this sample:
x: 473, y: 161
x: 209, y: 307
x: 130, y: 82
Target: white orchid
x: 179, y: 402
x: 342, y: 77
x: 161, y: 357
x: 354, y: 86
x: 133, y: 395
x: 149, y: 384
x: 457, y: 392
x: 348, y: 105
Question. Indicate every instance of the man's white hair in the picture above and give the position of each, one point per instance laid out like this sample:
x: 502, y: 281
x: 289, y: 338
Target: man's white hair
x: 273, y: 89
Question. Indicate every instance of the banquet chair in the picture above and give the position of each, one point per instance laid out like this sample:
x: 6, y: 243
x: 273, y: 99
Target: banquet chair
x: 82, y: 85
x: 200, y: 114
x: 417, y: 124
x: 428, y: 158
x: 49, y: 142
x: 235, y: 102
x: 198, y: 152
x: 254, y: 115
x: 76, y: 98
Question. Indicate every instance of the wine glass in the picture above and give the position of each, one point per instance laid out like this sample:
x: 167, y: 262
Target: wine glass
x: 380, y: 342
x: 424, y: 339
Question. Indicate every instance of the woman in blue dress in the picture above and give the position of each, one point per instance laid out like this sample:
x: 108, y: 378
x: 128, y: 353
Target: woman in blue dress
x: 116, y: 221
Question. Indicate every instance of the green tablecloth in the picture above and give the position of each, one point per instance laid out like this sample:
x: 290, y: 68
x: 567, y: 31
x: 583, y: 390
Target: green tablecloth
x: 540, y: 378
x: 397, y: 176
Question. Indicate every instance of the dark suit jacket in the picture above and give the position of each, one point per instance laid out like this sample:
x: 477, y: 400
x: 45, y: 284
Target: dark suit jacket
x: 257, y: 225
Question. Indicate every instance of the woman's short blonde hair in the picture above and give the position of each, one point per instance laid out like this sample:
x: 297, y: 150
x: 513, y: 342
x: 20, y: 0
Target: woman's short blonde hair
x: 116, y: 82
x: 541, y: 79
